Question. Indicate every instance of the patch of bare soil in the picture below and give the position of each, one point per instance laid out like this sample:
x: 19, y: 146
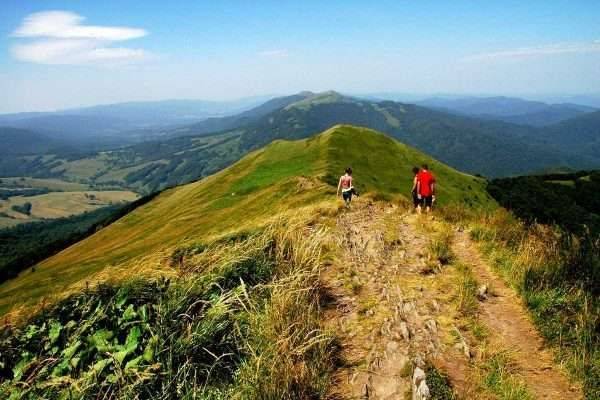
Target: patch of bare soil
x: 511, y: 328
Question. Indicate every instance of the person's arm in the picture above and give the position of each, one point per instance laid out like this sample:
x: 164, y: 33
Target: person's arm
x: 418, y: 189
x: 339, y: 186
x: 414, y: 186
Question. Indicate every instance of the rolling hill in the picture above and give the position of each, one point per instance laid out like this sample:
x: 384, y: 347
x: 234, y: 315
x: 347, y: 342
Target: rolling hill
x: 490, y: 148
x: 553, y: 114
x: 24, y: 142
x: 282, y: 177
x: 198, y: 294
x: 218, y: 124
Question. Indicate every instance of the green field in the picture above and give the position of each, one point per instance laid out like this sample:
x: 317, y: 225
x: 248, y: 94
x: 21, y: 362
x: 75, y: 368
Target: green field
x: 54, y: 185
x: 59, y: 204
x: 282, y: 177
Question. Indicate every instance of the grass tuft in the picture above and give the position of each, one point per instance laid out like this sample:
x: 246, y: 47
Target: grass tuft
x: 439, y: 384
x: 440, y: 247
x: 501, y: 378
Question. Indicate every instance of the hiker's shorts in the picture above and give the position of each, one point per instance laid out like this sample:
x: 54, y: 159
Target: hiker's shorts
x: 347, y: 195
x: 427, y: 201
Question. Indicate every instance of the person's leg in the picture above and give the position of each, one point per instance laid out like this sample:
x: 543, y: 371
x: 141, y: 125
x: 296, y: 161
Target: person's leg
x: 428, y: 202
x: 346, y: 195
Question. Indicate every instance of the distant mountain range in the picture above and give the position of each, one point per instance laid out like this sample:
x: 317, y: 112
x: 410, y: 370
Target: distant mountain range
x: 508, y: 109
x: 487, y: 147
x: 124, y: 123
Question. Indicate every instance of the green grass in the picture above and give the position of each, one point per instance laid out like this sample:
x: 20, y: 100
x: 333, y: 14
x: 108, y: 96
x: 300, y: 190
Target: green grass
x: 466, y: 302
x: 283, y: 177
x: 439, y: 384
x: 440, y: 247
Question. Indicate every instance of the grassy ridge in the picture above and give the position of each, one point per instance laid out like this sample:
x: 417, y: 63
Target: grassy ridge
x: 283, y: 177
x: 383, y: 165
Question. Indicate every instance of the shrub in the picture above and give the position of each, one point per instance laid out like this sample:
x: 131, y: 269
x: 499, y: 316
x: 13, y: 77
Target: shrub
x: 24, y: 208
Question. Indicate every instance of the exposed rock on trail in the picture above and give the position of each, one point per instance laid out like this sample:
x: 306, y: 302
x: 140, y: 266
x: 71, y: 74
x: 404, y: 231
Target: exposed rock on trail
x: 385, y: 317
x: 392, y: 320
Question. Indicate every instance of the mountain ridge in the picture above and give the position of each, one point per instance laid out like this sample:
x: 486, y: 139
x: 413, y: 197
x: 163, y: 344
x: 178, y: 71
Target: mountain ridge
x: 281, y: 177
x: 508, y: 109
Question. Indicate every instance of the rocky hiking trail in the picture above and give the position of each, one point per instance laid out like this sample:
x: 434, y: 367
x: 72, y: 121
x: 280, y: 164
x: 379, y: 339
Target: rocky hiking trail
x: 393, y: 310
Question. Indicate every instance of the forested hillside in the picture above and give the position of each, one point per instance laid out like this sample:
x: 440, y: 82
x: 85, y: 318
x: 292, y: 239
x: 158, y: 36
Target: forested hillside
x: 570, y: 200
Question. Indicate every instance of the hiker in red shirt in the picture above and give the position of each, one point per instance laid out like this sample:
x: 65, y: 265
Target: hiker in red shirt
x: 425, y: 188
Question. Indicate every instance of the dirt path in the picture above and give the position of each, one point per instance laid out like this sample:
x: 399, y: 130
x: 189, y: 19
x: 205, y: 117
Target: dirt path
x: 385, y: 313
x: 510, y: 327
x: 391, y: 314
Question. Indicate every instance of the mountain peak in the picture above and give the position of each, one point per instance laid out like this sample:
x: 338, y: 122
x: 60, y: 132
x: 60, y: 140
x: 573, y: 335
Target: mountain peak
x: 329, y: 96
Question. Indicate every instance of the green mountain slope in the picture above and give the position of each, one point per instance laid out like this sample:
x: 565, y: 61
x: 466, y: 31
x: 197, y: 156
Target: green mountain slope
x: 215, y: 124
x: 282, y: 177
x: 490, y: 148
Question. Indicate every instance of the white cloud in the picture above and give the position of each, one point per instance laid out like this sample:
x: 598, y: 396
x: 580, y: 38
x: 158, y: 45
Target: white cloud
x: 59, y: 37
x: 545, y: 50
x: 274, y: 53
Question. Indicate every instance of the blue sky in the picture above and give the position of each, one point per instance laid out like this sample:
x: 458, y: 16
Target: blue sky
x: 57, y: 54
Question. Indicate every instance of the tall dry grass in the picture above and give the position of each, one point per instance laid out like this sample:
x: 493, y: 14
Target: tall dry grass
x: 558, y: 275
x: 240, y: 319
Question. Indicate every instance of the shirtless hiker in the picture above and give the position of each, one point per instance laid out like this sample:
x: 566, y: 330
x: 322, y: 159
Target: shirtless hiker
x: 345, y: 184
